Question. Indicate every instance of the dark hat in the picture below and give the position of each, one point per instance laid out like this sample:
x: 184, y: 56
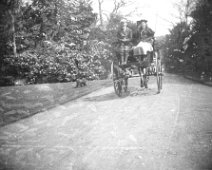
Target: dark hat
x: 143, y: 20
x: 140, y: 21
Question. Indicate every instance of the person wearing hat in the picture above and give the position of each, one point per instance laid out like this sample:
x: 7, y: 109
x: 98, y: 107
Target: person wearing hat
x: 145, y: 36
x: 143, y: 51
x: 124, y: 36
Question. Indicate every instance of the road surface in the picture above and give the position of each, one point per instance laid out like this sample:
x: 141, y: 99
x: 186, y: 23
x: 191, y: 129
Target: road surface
x: 143, y: 130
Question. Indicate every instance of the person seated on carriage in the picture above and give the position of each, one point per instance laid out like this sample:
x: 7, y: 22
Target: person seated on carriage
x: 144, y: 48
x: 124, y: 44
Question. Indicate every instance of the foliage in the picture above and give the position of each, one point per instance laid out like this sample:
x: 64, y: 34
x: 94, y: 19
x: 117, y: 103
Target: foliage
x: 7, y: 28
x: 174, y: 48
x: 50, y: 37
x: 201, y: 39
x: 56, y: 40
x: 103, y: 41
x: 188, y: 47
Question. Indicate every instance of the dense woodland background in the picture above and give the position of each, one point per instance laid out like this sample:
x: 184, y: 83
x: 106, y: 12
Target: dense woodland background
x: 47, y: 41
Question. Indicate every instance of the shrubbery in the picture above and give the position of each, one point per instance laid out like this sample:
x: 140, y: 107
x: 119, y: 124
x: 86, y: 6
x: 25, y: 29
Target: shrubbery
x: 188, y: 47
x: 51, y: 42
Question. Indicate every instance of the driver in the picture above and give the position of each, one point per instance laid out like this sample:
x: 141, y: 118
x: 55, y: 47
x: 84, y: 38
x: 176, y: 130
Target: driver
x: 124, y: 36
x: 145, y: 39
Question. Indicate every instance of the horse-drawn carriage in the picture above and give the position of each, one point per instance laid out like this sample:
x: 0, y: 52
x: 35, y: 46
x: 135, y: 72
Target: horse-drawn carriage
x: 120, y: 73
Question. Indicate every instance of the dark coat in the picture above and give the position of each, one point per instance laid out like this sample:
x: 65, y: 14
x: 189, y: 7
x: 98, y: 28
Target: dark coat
x: 124, y: 41
x: 125, y: 35
x: 145, y: 34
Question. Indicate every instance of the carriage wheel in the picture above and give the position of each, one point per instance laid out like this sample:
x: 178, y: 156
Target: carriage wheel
x: 159, y: 74
x: 117, y: 83
x: 118, y: 88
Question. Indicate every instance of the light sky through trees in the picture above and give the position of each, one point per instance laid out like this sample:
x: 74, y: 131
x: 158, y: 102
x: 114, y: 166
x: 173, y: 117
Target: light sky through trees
x: 161, y: 14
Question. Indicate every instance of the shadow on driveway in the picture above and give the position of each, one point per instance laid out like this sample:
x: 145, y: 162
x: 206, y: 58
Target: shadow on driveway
x: 132, y: 92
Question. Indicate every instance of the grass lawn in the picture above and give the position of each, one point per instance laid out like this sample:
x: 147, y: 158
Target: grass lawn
x: 17, y: 102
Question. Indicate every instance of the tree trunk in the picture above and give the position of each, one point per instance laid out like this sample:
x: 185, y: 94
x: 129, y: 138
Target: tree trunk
x: 13, y: 33
x: 100, y: 12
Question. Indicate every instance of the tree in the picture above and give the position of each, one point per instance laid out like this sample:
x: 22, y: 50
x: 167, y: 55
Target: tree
x: 201, y: 39
x: 49, y: 35
x: 174, y: 47
x: 185, y: 7
x: 100, y: 2
x: 192, y: 42
x: 8, y: 10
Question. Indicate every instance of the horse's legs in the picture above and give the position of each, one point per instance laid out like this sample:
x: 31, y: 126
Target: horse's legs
x: 145, y: 77
x: 126, y: 56
x: 140, y: 71
x: 141, y: 74
x: 145, y: 71
x: 121, y: 58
